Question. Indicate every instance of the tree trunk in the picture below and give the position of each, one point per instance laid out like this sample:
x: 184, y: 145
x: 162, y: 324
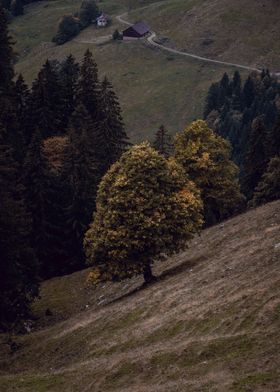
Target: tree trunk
x: 148, y: 275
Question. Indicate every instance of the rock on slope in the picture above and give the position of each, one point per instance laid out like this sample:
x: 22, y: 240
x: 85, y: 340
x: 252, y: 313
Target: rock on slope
x: 211, y: 323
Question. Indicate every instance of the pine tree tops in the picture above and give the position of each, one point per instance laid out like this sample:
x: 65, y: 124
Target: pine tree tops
x: 46, y: 101
x: 89, y: 86
x: 6, y: 56
x: 206, y: 160
x: 146, y: 208
x: 111, y: 136
x: 163, y: 142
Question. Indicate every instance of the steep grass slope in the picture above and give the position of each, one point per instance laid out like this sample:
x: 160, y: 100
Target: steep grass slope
x: 243, y: 32
x: 211, y: 322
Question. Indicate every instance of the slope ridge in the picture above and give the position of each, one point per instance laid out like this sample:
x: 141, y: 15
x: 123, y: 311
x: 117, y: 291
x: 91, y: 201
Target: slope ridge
x: 211, y: 323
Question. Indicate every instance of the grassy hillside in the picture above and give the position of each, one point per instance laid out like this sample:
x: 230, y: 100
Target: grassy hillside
x: 243, y: 32
x: 154, y: 87
x: 211, y: 322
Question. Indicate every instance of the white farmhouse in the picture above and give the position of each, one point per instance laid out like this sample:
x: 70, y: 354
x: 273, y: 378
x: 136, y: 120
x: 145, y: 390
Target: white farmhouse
x: 102, y: 20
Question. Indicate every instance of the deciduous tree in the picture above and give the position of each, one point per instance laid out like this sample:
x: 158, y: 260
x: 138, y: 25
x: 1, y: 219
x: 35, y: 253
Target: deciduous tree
x: 146, y: 209
x: 206, y: 160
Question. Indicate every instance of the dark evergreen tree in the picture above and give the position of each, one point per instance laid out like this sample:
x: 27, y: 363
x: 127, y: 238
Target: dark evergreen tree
x: 59, y: 259
x: 88, y: 12
x: 256, y: 160
x: 7, y: 94
x: 163, y: 142
x: 69, y: 74
x: 111, y: 140
x: 17, y: 7
x: 46, y: 102
x: 18, y: 265
x: 68, y: 28
x: 268, y: 189
x: 212, y: 99
x: 34, y: 171
x: 273, y: 139
x: 6, y: 63
x: 225, y: 90
x: 88, y: 86
x: 248, y: 92
x: 22, y: 100
x: 82, y: 175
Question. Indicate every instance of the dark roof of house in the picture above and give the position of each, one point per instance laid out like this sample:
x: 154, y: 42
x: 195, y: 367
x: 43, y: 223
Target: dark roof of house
x: 141, y: 28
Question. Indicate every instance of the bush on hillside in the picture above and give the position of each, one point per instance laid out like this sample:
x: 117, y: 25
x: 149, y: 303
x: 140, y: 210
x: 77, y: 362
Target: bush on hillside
x: 116, y: 35
x: 146, y: 208
x: 67, y: 29
x: 88, y: 13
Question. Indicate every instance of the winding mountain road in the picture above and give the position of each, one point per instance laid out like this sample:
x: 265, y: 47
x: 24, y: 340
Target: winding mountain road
x: 151, y: 40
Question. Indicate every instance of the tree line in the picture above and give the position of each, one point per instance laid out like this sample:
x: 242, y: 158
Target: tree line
x: 57, y: 140
x: 248, y: 115
x: 70, y: 25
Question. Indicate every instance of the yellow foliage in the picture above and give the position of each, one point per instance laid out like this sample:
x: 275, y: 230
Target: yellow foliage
x: 146, y: 207
x: 205, y: 157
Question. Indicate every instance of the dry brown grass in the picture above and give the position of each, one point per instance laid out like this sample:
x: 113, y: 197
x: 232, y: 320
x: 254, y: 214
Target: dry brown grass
x: 211, y: 322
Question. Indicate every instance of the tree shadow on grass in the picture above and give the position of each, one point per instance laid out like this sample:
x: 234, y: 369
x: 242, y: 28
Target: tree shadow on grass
x: 168, y: 273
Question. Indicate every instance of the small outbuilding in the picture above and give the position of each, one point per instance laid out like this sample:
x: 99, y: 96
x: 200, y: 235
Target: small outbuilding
x: 102, y: 20
x: 138, y: 30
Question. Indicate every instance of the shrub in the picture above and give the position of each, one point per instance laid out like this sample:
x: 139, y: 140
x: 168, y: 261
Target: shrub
x: 67, y: 29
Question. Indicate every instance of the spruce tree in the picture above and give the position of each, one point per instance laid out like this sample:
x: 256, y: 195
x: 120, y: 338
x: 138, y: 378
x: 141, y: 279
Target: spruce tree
x: 111, y: 139
x: 273, y: 139
x: 248, y: 92
x: 268, y: 189
x: 58, y: 258
x: 6, y: 63
x: 34, y: 179
x: 8, y: 116
x: 46, y: 102
x: 212, y: 99
x: 163, y: 142
x: 88, y: 86
x: 22, y: 101
x: 17, y: 7
x: 69, y: 74
x: 18, y: 264
x: 256, y: 159
x: 82, y: 176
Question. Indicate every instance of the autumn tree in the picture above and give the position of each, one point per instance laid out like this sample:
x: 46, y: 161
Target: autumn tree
x: 146, y: 209
x: 206, y: 160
